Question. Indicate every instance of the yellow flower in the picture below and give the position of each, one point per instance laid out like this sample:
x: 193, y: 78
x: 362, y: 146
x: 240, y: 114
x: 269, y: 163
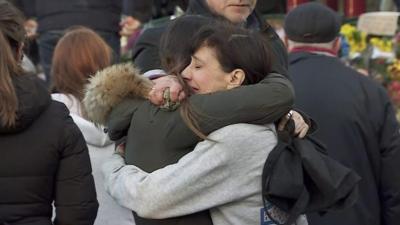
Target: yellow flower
x: 347, y: 30
x: 355, y: 38
x: 383, y: 45
x: 394, y: 70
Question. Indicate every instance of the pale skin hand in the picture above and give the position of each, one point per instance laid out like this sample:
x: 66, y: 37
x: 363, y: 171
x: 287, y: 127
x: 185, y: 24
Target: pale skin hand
x: 31, y: 27
x: 301, y: 127
x: 129, y: 25
x: 120, y: 150
x: 177, y: 94
x: 160, y: 84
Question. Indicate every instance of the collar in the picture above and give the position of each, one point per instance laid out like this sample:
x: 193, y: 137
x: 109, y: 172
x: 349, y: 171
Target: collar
x: 315, y: 50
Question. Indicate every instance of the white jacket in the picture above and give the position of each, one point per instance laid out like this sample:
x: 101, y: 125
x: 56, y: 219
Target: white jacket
x: 100, y: 150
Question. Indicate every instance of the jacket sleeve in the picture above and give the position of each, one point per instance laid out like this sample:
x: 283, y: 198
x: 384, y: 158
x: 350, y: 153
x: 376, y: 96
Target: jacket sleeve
x: 261, y: 103
x: 200, y: 180
x: 120, y: 117
x: 390, y: 162
x: 75, y: 194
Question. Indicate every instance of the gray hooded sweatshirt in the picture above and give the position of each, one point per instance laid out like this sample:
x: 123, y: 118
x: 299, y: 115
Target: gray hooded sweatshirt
x: 223, y: 175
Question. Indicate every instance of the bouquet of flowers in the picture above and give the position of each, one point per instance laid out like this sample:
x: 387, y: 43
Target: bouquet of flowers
x: 356, y: 40
x: 378, y: 56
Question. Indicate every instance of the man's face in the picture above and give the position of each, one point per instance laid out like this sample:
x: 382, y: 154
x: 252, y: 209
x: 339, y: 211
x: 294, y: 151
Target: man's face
x: 236, y: 11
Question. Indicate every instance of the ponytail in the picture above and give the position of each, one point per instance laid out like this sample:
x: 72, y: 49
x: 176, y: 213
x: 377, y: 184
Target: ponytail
x: 8, y: 98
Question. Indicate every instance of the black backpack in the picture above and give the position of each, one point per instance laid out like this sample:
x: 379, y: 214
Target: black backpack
x: 299, y: 177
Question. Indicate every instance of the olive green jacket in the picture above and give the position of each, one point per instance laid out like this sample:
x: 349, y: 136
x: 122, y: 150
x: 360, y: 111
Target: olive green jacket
x: 155, y: 137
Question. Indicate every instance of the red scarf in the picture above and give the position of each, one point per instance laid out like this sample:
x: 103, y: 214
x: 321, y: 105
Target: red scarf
x: 311, y: 49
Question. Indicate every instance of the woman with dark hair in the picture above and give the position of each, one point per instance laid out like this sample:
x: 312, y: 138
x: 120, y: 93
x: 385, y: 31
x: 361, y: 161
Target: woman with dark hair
x: 44, y: 156
x: 221, y: 57
x: 87, y: 53
x: 174, y: 46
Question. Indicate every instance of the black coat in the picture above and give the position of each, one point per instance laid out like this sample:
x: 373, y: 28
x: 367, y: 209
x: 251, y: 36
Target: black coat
x: 101, y: 15
x: 146, y: 51
x: 44, y: 159
x: 358, y: 125
x: 145, y: 10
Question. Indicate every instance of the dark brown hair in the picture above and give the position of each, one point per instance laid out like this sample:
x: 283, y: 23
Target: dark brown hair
x: 236, y: 48
x: 175, y: 43
x: 12, y: 36
x: 79, y: 54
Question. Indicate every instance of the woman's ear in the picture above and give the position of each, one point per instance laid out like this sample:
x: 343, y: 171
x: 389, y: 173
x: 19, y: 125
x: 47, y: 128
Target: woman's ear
x: 235, y: 78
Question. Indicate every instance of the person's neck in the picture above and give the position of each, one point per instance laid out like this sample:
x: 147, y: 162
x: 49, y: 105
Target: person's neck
x: 314, y: 49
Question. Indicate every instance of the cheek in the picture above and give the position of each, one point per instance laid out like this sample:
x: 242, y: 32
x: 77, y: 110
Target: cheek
x: 205, y: 81
x: 236, y: 14
x: 200, y: 77
x: 217, y: 5
x: 253, y: 3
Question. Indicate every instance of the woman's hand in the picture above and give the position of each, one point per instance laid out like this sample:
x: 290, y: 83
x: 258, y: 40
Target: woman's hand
x: 176, y: 93
x: 120, y: 150
x: 129, y: 25
x: 31, y: 28
x: 301, y: 127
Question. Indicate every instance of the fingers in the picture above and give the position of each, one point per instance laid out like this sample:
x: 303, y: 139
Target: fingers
x: 181, y: 96
x: 284, y: 120
x: 156, y: 96
x: 129, y: 25
x: 303, y: 132
x: 120, y: 149
x: 175, y: 88
x: 301, y: 127
x: 176, y: 94
x: 282, y: 123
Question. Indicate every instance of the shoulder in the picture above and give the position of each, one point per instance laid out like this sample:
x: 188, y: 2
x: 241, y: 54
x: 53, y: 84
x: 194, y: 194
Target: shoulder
x: 368, y: 86
x: 243, y: 127
x: 70, y: 101
x: 58, y: 115
x: 237, y: 146
x: 58, y: 124
x: 60, y: 108
x: 243, y: 134
x: 152, y: 34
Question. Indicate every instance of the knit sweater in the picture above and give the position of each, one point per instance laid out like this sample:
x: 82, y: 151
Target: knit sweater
x: 223, y: 175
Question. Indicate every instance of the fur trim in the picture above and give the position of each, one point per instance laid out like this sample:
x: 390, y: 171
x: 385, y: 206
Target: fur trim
x: 108, y: 87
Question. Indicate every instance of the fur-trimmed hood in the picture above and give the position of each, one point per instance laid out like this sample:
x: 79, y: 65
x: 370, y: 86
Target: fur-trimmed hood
x: 108, y: 87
